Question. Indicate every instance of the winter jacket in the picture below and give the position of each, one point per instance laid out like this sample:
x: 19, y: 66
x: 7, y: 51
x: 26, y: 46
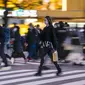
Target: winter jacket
x: 48, y: 34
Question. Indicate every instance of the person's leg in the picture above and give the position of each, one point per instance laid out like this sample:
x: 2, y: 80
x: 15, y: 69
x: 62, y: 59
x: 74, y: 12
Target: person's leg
x: 59, y: 71
x: 42, y: 54
x: 58, y: 68
x: 25, y: 59
x: 7, y: 56
x: 2, y: 54
x: 30, y: 53
x: 12, y: 57
x: 39, y: 72
x: 34, y: 56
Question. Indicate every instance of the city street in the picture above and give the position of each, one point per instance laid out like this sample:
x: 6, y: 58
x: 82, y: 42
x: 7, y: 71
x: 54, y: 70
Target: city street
x: 23, y: 74
x: 31, y: 28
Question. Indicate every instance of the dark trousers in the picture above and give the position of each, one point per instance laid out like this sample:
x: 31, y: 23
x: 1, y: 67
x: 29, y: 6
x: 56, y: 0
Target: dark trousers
x: 43, y: 52
x: 18, y: 54
x: 32, y: 51
x: 2, y: 53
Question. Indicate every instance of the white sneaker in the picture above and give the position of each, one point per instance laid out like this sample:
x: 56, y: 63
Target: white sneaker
x: 2, y: 64
x: 12, y: 60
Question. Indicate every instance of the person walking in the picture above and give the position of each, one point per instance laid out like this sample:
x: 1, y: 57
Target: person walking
x: 31, y: 40
x: 2, y: 40
x: 17, y: 46
x: 48, y: 38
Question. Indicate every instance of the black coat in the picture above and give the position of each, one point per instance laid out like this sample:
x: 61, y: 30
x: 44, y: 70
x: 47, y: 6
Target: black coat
x: 17, y: 42
x: 2, y: 36
x: 48, y: 34
x: 31, y: 36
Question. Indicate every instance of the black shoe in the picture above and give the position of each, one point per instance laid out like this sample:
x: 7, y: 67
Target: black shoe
x: 59, y: 73
x: 80, y: 64
x: 38, y: 74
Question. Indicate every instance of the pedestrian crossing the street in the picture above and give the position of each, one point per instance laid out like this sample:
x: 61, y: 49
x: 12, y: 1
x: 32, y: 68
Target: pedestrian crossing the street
x: 26, y: 77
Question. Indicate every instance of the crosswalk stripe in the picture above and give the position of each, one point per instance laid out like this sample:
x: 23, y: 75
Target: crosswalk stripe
x: 82, y: 82
x: 5, y: 68
x: 24, y: 74
x: 31, y: 73
x: 9, y: 72
x: 34, y: 63
x: 44, y: 76
x: 54, y: 79
x: 18, y: 64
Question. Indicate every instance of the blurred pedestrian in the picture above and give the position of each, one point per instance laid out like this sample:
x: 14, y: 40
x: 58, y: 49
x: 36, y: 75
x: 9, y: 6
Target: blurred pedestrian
x: 2, y: 40
x: 17, y: 46
x: 31, y: 40
x: 61, y: 35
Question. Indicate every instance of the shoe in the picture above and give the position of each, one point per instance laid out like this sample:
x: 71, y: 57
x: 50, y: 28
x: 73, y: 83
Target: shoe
x: 29, y: 59
x: 38, y: 74
x: 80, y: 64
x: 59, y: 73
x: 12, y: 60
x: 2, y: 64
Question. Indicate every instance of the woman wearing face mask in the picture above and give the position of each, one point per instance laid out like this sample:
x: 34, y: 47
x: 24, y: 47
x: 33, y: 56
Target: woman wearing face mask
x: 48, y: 36
x: 17, y: 46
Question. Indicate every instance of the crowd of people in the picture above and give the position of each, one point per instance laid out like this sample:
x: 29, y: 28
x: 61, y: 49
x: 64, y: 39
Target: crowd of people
x: 39, y: 42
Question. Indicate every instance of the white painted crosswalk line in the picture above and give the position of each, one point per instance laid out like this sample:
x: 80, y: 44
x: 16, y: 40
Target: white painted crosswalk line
x: 44, y: 76
x: 82, y: 82
x: 19, y: 64
x: 23, y: 74
x: 33, y: 63
x: 9, y: 72
x: 5, y: 68
x: 54, y: 79
x: 32, y: 73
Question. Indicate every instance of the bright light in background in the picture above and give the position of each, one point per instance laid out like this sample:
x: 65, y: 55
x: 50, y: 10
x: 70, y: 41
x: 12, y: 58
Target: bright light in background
x: 1, y: 12
x: 21, y: 13
x: 72, y: 24
x: 46, y: 1
x: 64, y: 5
x: 30, y: 20
x: 23, y: 28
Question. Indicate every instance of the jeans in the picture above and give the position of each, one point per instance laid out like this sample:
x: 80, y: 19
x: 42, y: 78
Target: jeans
x: 32, y: 51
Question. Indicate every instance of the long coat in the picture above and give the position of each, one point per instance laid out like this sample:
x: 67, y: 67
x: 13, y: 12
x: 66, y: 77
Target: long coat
x: 17, y: 42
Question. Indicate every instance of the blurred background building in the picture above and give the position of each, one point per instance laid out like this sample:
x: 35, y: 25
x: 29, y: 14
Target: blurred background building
x: 24, y: 12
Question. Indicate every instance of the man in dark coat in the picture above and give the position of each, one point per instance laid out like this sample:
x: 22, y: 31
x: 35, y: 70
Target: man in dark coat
x: 2, y: 40
x: 31, y: 40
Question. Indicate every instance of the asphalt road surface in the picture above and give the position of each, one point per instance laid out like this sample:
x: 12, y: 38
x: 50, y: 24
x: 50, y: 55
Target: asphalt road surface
x: 23, y: 74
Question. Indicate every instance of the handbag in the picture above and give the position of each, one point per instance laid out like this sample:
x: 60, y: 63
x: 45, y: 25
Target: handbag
x: 55, y: 56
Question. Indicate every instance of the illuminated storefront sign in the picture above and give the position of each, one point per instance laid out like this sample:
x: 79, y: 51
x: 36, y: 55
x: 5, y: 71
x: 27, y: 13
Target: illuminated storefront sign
x: 25, y: 13
x: 36, y: 5
x: 20, y: 13
x: 64, y: 5
x: 30, y: 20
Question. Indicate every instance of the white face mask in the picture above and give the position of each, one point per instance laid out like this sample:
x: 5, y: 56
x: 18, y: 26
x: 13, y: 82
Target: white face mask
x: 15, y: 29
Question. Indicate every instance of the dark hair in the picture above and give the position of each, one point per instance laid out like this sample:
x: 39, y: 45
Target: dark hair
x: 49, y: 20
x: 38, y: 25
x: 30, y: 24
x: 61, y: 24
